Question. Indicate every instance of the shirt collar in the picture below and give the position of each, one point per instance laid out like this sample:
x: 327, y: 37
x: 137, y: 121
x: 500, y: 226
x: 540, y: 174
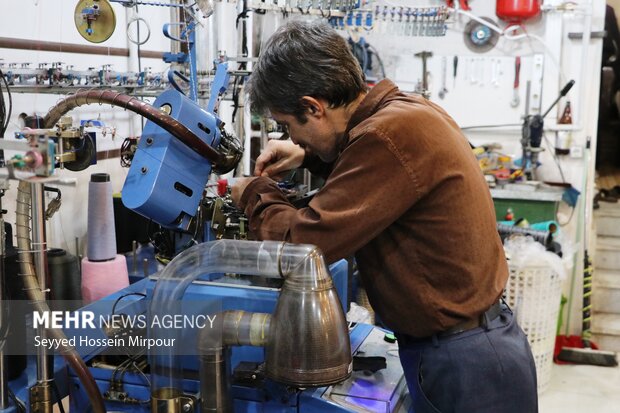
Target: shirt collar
x: 371, y: 102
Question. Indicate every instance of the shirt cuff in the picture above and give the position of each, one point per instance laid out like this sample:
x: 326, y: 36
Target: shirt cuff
x: 252, y: 192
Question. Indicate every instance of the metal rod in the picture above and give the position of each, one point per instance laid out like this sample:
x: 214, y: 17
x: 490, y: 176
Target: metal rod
x: 23, y: 44
x: 77, y: 253
x: 134, y: 249
x: 40, y: 264
x: 4, y: 385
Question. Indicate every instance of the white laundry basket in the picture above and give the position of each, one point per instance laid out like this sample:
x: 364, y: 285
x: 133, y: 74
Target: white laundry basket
x: 534, y: 294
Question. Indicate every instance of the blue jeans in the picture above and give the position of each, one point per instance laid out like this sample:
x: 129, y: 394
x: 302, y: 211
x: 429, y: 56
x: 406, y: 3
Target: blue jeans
x: 483, y: 370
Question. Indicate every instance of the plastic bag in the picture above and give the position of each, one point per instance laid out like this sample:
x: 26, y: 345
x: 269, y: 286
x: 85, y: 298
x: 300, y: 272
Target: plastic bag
x: 525, y: 252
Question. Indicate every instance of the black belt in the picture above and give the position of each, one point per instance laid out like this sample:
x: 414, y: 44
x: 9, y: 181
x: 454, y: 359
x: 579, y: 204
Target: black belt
x: 482, y: 321
x: 484, y: 318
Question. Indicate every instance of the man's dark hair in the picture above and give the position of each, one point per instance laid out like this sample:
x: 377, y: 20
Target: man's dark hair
x: 304, y: 59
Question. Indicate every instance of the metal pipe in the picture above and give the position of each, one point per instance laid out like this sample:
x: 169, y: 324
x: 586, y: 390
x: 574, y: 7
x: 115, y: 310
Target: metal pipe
x: 25, y: 44
x: 40, y: 265
x: 37, y: 298
x: 4, y: 385
x: 134, y: 256
x: 230, y: 328
x: 135, y: 105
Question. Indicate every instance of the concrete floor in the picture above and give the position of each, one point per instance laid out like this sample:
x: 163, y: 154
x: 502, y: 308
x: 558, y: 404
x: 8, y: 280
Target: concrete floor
x: 582, y: 389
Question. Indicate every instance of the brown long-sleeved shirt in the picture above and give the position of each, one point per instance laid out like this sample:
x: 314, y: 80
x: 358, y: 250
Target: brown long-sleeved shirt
x: 406, y: 196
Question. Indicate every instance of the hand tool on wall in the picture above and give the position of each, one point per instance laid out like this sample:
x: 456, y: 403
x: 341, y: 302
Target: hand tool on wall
x: 424, y: 55
x: 481, y: 67
x: 472, y: 68
x: 495, y: 72
x: 515, y: 94
x: 444, y: 74
x: 455, y: 64
x: 462, y: 4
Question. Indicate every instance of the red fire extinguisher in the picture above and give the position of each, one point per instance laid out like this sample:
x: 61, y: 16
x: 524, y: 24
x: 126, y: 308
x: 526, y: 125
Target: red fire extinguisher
x: 517, y: 10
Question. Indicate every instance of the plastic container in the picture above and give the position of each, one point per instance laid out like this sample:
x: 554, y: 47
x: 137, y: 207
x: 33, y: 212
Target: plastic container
x: 534, y: 294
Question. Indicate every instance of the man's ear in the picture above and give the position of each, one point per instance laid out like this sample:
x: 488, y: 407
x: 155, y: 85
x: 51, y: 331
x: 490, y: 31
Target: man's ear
x: 314, y: 107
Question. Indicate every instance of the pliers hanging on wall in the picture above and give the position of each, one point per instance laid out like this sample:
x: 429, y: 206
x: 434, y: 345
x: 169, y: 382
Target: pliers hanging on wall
x: 463, y: 4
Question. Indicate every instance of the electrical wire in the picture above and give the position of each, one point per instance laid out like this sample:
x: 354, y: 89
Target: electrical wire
x: 555, y: 157
x: 140, y: 57
x: 128, y: 150
x: 570, y: 217
x: 20, y: 405
x: 240, y: 80
x: 61, y: 408
x: 557, y: 162
x: 376, y: 54
x: 123, y: 296
x: 5, y: 115
x: 491, y: 126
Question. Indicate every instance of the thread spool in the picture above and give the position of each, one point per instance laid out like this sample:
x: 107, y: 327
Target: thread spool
x: 16, y: 362
x: 102, y: 278
x: 103, y: 271
x: 66, y: 281
x: 101, y: 234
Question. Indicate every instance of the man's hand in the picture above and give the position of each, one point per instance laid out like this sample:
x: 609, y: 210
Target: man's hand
x: 277, y: 158
x: 238, y: 187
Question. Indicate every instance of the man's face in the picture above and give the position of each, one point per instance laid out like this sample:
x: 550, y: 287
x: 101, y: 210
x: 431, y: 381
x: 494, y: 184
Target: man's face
x: 316, y: 136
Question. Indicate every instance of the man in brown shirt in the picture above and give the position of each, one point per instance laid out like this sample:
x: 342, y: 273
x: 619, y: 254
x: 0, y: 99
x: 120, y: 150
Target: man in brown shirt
x: 404, y: 193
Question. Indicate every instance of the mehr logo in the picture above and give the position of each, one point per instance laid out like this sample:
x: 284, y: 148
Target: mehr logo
x: 63, y: 319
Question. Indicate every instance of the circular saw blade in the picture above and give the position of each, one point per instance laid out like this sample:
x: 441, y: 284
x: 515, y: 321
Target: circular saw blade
x: 95, y: 20
x: 478, y: 37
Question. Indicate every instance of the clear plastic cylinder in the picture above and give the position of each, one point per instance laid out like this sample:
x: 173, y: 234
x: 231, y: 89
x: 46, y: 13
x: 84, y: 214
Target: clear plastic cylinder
x: 260, y: 258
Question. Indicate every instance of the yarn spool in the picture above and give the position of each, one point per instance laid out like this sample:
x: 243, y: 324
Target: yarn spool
x: 16, y: 361
x: 101, y: 234
x: 66, y: 282
x: 103, y: 271
x: 102, y: 278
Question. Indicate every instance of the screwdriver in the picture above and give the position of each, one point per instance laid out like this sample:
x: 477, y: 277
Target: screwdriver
x: 455, y: 64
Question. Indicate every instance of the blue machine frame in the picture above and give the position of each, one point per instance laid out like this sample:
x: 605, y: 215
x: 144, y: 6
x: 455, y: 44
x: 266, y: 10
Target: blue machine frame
x: 382, y: 391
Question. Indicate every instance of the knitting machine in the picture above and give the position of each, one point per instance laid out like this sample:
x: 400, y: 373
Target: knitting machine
x: 273, y: 336
x: 279, y: 342
x: 227, y: 325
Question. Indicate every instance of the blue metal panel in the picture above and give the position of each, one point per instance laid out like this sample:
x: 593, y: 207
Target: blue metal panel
x: 218, y: 87
x: 167, y: 178
x: 340, y: 276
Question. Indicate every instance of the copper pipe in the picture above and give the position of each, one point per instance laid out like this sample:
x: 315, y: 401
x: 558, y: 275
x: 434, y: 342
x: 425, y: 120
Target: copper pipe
x: 168, y: 123
x: 25, y: 44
